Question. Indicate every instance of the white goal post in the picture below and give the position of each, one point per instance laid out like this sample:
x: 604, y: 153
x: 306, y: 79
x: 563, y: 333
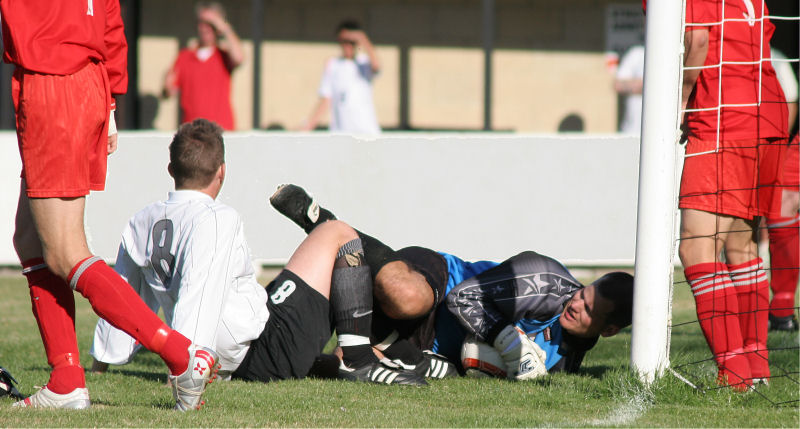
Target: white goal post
x: 657, y: 216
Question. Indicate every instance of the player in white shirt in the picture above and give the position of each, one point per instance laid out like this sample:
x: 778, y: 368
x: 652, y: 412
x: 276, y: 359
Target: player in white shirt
x: 346, y: 85
x: 188, y: 256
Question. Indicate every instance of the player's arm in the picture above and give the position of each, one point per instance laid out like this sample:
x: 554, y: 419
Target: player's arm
x: 111, y: 345
x: 695, y: 42
x: 205, y: 277
x: 486, y: 305
x: 116, y: 60
x: 116, y: 63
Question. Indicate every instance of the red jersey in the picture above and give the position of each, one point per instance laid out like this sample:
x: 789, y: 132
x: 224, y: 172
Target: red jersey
x: 61, y: 37
x: 744, y: 38
x: 205, y: 87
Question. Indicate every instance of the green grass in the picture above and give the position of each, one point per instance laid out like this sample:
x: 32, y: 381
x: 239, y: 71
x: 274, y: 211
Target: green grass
x: 604, y: 394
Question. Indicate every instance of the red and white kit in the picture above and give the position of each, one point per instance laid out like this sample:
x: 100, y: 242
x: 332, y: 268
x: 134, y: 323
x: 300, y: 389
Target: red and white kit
x: 745, y: 137
x: 70, y: 56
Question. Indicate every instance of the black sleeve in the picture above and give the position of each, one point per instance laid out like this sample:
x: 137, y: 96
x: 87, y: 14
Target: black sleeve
x: 525, y: 286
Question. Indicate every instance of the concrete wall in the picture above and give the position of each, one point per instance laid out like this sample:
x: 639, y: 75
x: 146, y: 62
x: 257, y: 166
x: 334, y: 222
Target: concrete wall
x: 479, y: 196
x: 549, y: 62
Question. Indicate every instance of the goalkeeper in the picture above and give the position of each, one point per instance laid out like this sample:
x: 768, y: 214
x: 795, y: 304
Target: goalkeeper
x: 538, y: 316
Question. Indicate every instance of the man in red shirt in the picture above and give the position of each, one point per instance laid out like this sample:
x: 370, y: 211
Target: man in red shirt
x: 70, y: 59
x: 736, y: 122
x: 202, y: 73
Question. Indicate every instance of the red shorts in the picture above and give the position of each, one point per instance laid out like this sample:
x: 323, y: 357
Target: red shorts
x: 62, y: 130
x: 741, y: 179
x: 791, y: 166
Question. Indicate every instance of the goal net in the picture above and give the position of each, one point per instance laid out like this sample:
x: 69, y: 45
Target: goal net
x: 720, y: 108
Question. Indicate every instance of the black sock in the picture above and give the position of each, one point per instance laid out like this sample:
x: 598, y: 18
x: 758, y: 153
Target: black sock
x: 351, y: 300
x: 404, y: 351
x: 324, y: 216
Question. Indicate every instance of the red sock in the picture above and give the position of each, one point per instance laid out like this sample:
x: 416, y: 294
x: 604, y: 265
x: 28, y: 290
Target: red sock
x: 717, y: 307
x: 54, y: 309
x: 752, y: 291
x: 784, y: 255
x: 114, y: 300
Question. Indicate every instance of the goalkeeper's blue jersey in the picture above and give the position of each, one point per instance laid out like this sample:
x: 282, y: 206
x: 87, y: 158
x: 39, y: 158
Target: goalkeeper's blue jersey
x: 450, y: 334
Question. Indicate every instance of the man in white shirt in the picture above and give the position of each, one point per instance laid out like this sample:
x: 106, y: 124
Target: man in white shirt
x: 189, y: 256
x: 629, y: 82
x: 346, y: 86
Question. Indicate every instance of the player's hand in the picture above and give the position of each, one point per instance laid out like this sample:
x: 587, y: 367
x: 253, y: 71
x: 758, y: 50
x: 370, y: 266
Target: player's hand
x: 112, y: 133
x: 112, y: 143
x: 524, y: 359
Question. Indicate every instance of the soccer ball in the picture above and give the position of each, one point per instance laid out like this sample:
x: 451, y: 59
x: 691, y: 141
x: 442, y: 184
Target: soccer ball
x: 481, y: 360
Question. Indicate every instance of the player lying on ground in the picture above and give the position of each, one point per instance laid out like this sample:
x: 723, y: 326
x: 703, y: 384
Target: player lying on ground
x: 534, y: 312
x: 188, y: 255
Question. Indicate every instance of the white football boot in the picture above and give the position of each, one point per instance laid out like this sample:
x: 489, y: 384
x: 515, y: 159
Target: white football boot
x: 78, y: 399
x: 188, y: 388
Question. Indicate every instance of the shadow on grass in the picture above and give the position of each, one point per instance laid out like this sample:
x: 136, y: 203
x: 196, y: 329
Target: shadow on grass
x: 158, y: 377
x: 595, y: 371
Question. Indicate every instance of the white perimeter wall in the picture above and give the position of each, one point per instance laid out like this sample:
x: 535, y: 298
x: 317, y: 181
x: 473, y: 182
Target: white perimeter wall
x: 479, y: 196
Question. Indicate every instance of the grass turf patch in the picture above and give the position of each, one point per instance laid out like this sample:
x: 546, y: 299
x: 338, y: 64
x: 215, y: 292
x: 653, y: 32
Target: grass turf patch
x: 604, y: 394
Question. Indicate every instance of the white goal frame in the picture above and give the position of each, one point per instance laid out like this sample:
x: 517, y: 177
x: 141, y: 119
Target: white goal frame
x: 657, y: 200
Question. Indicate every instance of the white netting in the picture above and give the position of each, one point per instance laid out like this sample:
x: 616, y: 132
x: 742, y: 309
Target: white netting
x: 727, y: 61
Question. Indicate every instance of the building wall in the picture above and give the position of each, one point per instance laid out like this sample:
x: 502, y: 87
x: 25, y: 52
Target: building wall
x: 549, y: 61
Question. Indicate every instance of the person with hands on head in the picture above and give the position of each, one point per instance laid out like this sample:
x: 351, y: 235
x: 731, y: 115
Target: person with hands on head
x: 202, y: 72
x: 346, y: 85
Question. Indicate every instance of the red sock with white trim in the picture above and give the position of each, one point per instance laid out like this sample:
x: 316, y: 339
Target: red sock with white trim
x: 717, y: 308
x: 752, y: 291
x: 114, y: 300
x: 53, y: 307
x: 784, y: 255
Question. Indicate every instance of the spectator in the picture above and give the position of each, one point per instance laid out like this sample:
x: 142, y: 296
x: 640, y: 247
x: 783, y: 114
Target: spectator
x: 346, y: 86
x: 629, y: 83
x: 202, y: 72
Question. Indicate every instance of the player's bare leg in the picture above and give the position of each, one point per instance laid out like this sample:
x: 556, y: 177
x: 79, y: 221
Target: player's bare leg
x: 752, y: 291
x: 401, y: 292
x: 64, y: 254
x: 703, y: 236
x: 334, y: 247
x: 53, y: 306
x: 314, y: 258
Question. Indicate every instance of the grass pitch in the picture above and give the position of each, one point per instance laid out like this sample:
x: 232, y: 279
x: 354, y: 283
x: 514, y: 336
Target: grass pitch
x: 604, y: 394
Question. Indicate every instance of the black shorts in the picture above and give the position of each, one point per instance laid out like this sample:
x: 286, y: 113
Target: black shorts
x: 298, y: 328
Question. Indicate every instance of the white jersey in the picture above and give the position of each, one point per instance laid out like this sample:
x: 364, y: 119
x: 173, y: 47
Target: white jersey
x: 632, y: 67
x: 785, y: 75
x: 188, y: 256
x: 348, y: 85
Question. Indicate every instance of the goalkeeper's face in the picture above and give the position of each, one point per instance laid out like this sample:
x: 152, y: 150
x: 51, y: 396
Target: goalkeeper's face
x: 585, y: 314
